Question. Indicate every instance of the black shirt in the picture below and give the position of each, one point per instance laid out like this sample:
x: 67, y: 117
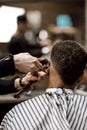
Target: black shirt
x: 7, y: 67
x: 20, y: 44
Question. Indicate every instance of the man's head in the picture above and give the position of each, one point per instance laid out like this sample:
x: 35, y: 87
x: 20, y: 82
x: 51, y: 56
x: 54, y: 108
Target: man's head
x: 22, y: 22
x: 69, y: 60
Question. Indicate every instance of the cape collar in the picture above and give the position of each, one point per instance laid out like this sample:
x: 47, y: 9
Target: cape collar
x: 59, y: 90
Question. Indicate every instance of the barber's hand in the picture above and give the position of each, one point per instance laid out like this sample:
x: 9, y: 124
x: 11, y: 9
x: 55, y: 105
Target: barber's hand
x: 30, y: 77
x: 24, y: 62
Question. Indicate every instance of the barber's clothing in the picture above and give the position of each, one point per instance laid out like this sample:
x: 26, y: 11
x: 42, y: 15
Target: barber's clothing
x: 7, y: 86
x: 7, y: 66
x: 57, y: 109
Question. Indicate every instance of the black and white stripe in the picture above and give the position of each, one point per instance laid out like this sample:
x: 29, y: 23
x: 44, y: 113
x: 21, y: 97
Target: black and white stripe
x: 50, y: 111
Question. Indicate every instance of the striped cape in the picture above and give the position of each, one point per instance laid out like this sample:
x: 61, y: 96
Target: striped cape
x: 57, y: 109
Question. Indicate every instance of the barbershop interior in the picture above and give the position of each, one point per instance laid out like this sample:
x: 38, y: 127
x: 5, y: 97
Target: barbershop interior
x: 33, y: 27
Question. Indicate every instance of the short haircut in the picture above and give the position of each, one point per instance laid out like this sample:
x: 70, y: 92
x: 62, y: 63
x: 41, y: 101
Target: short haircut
x: 21, y: 18
x: 69, y: 60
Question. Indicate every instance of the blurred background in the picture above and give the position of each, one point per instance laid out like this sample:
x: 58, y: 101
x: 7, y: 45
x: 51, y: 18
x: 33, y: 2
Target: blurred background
x: 47, y: 20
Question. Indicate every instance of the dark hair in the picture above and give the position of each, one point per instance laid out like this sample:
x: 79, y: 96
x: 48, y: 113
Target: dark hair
x: 22, y: 18
x: 69, y: 60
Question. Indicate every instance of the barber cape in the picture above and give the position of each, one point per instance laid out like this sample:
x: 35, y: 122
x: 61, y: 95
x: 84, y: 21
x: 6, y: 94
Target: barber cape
x: 57, y: 109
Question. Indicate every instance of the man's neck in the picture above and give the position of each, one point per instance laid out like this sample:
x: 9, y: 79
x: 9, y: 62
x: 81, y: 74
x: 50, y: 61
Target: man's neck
x: 54, y: 79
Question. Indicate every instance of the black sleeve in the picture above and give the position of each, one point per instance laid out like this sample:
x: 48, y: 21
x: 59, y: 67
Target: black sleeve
x: 7, y: 86
x: 7, y: 66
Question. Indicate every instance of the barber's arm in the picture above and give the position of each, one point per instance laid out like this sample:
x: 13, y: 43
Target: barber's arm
x: 17, y: 83
x: 22, y: 62
x: 7, y: 86
x: 7, y: 66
